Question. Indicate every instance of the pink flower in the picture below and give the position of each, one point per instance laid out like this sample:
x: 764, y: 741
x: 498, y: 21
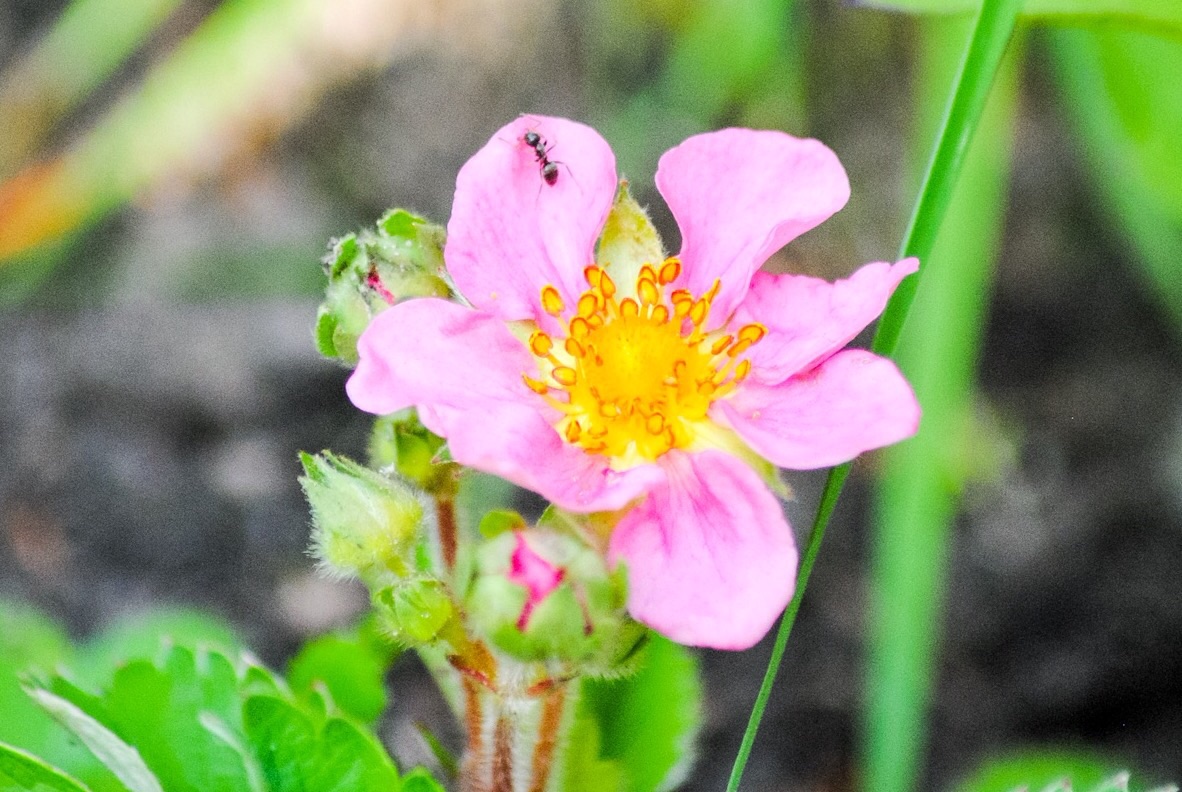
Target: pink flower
x: 608, y: 376
x: 535, y: 573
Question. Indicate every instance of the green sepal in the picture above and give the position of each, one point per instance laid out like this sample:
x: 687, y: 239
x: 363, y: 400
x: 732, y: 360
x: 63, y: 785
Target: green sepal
x: 414, y: 611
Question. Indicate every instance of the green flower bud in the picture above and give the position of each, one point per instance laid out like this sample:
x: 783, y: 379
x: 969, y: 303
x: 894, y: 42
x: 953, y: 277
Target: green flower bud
x: 370, y: 271
x: 363, y: 522
x: 402, y: 442
x: 414, y: 611
x: 542, y: 595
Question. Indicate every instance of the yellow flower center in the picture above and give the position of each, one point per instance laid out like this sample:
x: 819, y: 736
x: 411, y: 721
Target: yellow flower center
x: 634, y: 377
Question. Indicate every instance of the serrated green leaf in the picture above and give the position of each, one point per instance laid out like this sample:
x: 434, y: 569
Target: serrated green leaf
x: 159, y: 709
x: 1160, y: 16
x: 145, y: 635
x: 1037, y: 770
x: 349, y: 668
x: 116, y: 755
x: 23, y: 772
x: 301, y: 753
x: 648, y: 722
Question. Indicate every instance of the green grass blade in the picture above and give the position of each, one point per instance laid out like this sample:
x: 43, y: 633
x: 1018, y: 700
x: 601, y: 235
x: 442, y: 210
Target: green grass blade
x: 921, y: 477
x: 982, y: 59
x: 89, y: 41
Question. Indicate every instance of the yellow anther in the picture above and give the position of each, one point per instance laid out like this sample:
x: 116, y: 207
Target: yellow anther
x: 721, y: 344
x: 739, y: 348
x: 592, y: 275
x: 647, y: 272
x: 573, y: 430
x: 573, y: 348
x: 609, y: 409
x: 681, y: 294
x: 540, y: 343
x: 607, y: 285
x: 707, y: 388
x: 670, y: 270
x: 710, y: 295
x: 629, y: 308
x: 552, y: 301
x: 661, y: 314
x: 595, y: 320
x: 742, y: 370
x: 697, y: 313
x: 681, y: 308
x: 655, y: 424
x: 647, y: 290
x: 588, y: 304
x: 752, y: 332
x: 535, y: 385
x: 565, y: 375
x: 579, y: 328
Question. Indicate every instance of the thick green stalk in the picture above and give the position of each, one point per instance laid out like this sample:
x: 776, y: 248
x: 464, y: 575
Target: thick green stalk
x: 920, y: 479
x: 994, y: 26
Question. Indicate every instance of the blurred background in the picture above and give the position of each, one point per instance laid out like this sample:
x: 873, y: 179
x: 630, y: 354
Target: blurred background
x: 170, y: 174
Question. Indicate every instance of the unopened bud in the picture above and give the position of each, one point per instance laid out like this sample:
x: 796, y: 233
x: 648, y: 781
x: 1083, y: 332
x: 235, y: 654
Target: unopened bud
x: 363, y: 522
x: 542, y: 595
x: 414, y: 611
x: 402, y: 442
x: 370, y: 271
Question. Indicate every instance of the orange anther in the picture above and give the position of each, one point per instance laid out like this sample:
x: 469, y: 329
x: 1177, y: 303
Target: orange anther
x: 681, y: 308
x: 710, y: 295
x: 573, y: 348
x: 592, y: 275
x: 742, y: 370
x: 661, y: 314
x: 655, y: 424
x: 721, y: 344
x: 629, y: 307
x: 647, y: 272
x: 588, y: 304
x: 540, y: 343
x: 535, y: 385
x: 739, y: 348
x: 552, y: 301
x: 670, y: 270
x: 699, y: 310
x: 606, y: 284
x: 579, y: 328
x: 564, y: 375
x: 573, y: 431
x: 647, y: 290
x: 752, y: 332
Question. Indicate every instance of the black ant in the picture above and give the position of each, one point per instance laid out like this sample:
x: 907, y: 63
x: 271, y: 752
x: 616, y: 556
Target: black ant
x: 549, y: 169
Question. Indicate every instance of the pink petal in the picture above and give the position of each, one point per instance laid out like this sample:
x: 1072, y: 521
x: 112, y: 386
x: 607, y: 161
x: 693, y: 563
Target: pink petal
x: 462, y: 369
x: 711, y: 559
x: 740, y: 195
x: 511, y: 233
x: 537, y: 575
x: 852, y: 402
x: 809, y: 319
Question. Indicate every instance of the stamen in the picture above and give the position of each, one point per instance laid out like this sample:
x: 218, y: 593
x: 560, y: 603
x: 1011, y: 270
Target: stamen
x: 629, y: 308
x: 742, y: 370
x: 752, y: 332
x: 592, y: 275
x: 573, y: 430
x: 540, y: 344
x: 565, y: 375
x: 647, y: 273
x: 646, y: 289
x: 607, y: 285
x: 552, y: 301
x: 721, y: 344
x: 579, y: 328
x: 670, y: 270
x: 588, y: 304
x: 534, y: 385
x: 739, y: 348
x: 660, y: 314
x: 655, y: 424
x: 573, y: 348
